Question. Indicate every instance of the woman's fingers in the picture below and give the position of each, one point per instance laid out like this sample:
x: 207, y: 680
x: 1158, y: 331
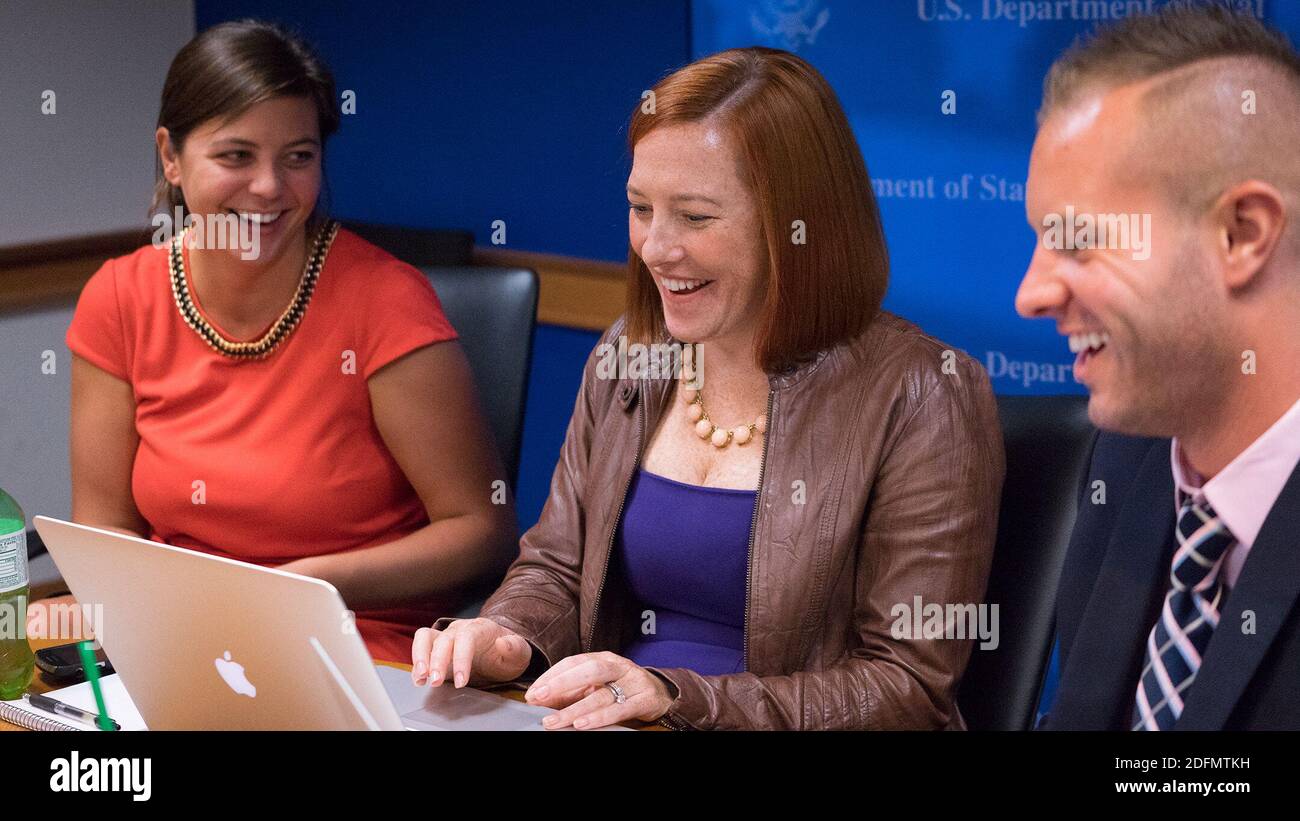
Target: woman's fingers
x: 601, y: 708
x: 569, y: 679
x: 468, y: 648
x: 420, y: 651
x: 577, y: 686
x: 506, y: 657
x: 441, y: 648
x: 465, y: 651
x: 612, y: 713
x: 542, y: 692
x: 600, y: 697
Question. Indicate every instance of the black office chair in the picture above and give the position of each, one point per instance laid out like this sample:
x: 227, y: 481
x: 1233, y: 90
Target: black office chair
x: 418, y: 246
x: 495, y: 311
x: 1047, y: 439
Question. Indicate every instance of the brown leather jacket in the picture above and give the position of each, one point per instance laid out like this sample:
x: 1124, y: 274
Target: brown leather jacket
x: 896, y: 440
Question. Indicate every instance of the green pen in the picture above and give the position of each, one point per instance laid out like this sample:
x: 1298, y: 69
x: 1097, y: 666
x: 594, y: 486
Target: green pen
x: 92, y: 675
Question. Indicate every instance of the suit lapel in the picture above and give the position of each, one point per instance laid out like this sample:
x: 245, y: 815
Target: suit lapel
x: 1268, y: 586
x: 1099, y: 683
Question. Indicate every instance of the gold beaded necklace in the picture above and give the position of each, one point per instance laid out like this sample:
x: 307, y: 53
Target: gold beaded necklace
x: 285, y: 325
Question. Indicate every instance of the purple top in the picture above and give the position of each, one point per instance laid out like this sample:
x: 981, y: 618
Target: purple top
x: 684, y: 551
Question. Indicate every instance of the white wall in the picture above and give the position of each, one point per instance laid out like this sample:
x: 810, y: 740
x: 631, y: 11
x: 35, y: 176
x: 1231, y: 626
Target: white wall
x: 89, y: 167
x: 86, y: 169
x: 34, y: 414
x: 34, y: 410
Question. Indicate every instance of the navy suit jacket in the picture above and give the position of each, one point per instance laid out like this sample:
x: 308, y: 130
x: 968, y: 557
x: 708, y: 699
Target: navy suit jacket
x: 1113, y: 585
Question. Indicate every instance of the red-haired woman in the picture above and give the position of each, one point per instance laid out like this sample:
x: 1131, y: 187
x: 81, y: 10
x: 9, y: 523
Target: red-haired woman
x: 734, y: 554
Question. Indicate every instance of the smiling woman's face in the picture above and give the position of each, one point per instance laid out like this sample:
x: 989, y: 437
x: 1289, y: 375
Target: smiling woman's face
x: 695, y: 224
x: 265, y: 164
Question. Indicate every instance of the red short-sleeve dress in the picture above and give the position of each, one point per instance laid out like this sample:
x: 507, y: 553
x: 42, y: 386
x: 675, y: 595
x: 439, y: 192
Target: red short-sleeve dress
x: 276, y: 459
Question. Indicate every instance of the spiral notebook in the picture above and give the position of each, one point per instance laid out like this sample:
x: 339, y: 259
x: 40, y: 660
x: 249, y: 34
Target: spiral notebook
x: 120, y: 707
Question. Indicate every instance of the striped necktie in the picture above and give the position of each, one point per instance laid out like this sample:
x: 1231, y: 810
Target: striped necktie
x: 1189, y: 616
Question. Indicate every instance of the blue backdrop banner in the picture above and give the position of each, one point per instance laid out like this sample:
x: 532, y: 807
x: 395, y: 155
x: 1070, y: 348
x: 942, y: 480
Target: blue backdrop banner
x: 942, y: 95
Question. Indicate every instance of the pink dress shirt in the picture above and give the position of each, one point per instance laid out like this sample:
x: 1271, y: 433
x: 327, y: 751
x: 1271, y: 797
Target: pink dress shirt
x: 1243, y: 493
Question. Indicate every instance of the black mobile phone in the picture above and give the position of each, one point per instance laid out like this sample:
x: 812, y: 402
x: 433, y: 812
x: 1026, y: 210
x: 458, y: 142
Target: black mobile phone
x: 64, y: 662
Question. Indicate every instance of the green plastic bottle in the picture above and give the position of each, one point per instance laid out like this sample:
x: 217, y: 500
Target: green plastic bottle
x: 17, y: 664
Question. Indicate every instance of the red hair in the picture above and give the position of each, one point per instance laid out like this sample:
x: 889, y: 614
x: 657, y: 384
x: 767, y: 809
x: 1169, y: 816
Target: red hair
x: 800, y: 161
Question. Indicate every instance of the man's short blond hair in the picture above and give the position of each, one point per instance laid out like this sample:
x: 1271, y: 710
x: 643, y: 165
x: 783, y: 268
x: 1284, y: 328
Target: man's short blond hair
x: 1144, y: 46
x: 1221, y: 103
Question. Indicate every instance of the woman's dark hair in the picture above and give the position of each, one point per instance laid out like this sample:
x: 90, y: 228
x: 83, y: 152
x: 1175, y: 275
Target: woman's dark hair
x: 229, y: 68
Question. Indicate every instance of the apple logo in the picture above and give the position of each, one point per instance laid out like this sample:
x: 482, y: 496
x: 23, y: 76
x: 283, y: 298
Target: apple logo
x: 233, y: 674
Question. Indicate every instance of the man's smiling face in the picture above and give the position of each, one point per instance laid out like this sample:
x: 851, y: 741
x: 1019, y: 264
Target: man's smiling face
x: 1143, y: 330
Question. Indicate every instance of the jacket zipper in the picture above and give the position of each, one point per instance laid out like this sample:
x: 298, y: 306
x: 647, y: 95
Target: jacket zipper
x: 753, y: 524
x: 672, y: 723
x: 666, y: 720
x: 618, y: 517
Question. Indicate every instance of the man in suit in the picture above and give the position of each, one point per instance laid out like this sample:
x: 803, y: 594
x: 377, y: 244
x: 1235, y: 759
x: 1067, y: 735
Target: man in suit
x: 1164, y: 185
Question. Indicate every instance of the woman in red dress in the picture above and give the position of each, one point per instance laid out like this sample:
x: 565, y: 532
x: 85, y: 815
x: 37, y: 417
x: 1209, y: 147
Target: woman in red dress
x: 297, y: 401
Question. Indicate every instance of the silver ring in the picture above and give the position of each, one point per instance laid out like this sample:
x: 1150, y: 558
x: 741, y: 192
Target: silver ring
x: 619, y: 696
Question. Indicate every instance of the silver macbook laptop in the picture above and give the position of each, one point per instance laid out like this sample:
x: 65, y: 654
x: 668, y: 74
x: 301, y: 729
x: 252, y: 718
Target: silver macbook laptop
x: 204, y: 642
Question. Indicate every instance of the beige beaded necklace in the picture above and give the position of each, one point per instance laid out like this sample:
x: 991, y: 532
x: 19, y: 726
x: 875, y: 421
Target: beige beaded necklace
x: 705, y: 429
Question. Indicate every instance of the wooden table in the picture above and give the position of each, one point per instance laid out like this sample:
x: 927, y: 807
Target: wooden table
x: 39, y: 685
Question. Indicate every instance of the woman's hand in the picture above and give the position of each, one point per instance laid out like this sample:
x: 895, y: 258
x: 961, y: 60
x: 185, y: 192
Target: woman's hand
x: 577, y: 687
x: 478, y: 649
